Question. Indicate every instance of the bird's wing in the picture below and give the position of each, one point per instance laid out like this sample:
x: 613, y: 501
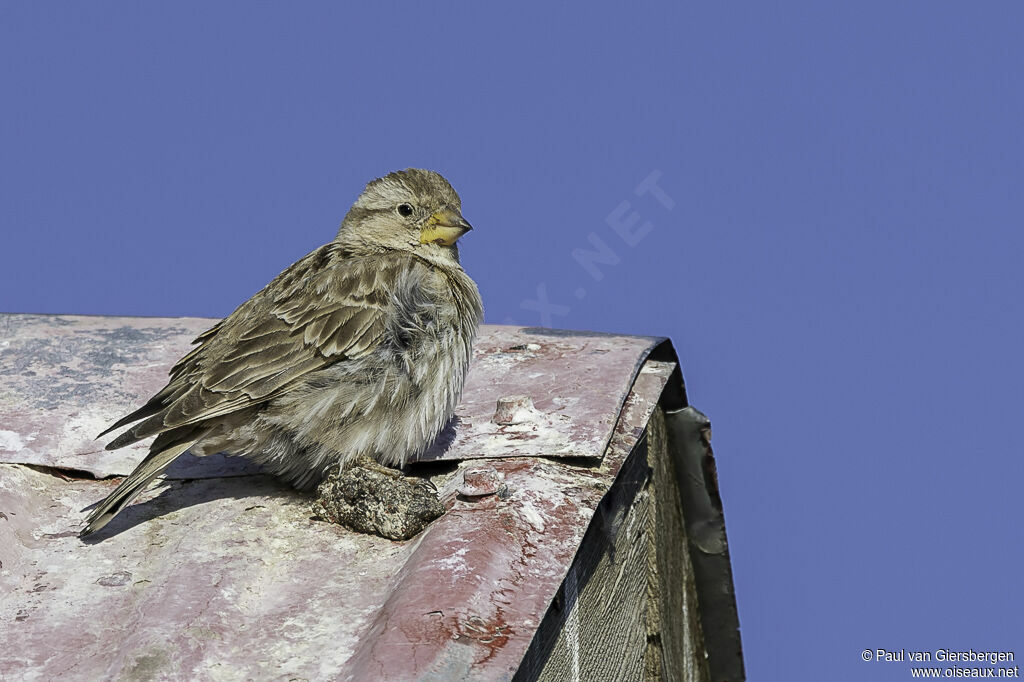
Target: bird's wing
x: 326, y: 308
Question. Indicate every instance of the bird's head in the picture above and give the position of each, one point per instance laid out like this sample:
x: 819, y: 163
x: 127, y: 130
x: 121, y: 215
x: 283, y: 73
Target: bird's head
x: 409, y: 210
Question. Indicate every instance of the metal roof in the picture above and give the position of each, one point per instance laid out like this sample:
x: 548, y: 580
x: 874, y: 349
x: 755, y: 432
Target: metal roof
x: 221, y: 573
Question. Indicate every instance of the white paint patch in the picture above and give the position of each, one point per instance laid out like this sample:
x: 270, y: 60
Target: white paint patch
x: 11, y: 441
x: 532, y: 516
x: 541, y: 437
x: 454, y: 565
x: 83, y: 427
x: 572, y: 624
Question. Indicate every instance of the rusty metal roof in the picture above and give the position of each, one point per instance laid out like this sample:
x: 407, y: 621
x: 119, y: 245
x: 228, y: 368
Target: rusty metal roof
x: 221, y: 573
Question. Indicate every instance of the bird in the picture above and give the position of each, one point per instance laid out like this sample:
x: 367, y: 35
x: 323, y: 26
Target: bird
x: 358, y: 351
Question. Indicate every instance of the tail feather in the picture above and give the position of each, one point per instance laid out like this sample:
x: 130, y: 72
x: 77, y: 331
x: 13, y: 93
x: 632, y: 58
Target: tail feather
x: 148, y: 469
x: 154, y: 405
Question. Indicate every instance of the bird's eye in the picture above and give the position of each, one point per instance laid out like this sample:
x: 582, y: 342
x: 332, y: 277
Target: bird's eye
x: 405, y: 210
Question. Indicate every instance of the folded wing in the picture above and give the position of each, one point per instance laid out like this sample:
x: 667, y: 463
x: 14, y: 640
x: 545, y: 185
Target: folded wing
x: 326, y: 308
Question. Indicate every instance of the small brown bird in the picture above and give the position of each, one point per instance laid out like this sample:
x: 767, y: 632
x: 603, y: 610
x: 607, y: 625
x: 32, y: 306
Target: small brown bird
x: 359, y: 350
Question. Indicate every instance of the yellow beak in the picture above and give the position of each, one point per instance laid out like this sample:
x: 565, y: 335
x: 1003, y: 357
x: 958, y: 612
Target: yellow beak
x: 444, y: 227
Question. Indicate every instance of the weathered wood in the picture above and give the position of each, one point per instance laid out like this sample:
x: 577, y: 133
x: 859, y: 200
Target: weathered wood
x: 605, y: 634
x: 676, y: 648
x: 630, y: 598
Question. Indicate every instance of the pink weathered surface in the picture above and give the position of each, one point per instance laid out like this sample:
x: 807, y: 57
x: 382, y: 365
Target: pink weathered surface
x: 229, y: 578
x: 576, y: 382
x: 66, y: 378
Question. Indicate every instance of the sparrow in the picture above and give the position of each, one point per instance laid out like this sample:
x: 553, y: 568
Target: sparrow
x: 357, y: 351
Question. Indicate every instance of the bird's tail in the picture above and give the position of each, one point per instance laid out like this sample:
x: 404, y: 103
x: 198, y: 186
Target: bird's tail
x: 151, y: 467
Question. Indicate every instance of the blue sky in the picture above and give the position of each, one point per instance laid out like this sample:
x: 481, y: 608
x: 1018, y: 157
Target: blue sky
x: 834, y: 246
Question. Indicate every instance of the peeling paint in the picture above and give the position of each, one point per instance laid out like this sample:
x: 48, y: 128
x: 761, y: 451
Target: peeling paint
x: 11, y: 441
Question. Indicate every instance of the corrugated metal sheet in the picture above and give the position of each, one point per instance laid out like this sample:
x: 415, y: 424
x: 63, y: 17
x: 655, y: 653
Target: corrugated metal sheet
x: 229, y: 578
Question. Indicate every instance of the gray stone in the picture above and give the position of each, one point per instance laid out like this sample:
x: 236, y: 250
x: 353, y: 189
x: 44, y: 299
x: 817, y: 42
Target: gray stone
x: 373, y: 499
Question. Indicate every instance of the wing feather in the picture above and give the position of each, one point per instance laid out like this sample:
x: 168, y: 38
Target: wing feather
x: 328, y: 307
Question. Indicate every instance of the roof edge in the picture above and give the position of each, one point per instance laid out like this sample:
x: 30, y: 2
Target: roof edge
x: 689, y: 445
